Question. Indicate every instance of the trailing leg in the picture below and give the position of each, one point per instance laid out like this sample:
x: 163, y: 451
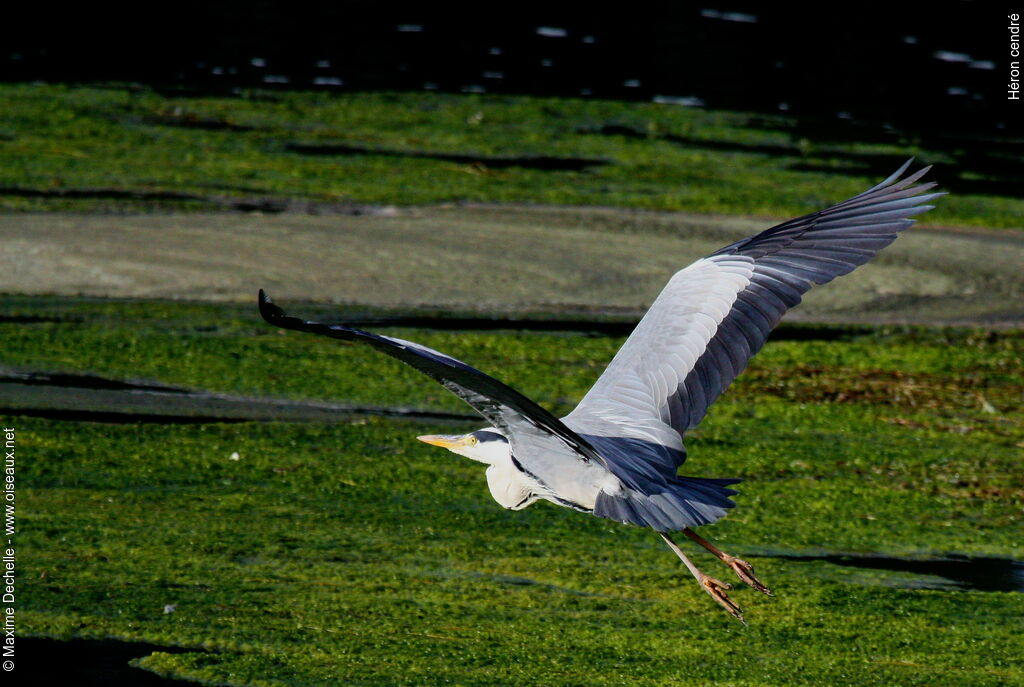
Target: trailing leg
x: 716, y: 588
x: 744, y: 570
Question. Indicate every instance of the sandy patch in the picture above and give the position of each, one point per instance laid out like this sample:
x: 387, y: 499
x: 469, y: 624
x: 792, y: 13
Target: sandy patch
x: 508, y: 258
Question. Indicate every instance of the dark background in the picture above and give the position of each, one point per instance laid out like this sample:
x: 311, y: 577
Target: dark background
x: 939, y: 66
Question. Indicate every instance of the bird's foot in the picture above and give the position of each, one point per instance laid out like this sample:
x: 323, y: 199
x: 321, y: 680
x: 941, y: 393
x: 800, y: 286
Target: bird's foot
x: 745, y: 571
x: 716, y: 588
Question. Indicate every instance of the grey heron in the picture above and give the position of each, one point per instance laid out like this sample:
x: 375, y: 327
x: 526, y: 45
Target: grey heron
x: 617, y: 454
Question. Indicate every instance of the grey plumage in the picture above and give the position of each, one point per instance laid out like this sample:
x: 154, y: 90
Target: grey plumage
x: 618, y: 452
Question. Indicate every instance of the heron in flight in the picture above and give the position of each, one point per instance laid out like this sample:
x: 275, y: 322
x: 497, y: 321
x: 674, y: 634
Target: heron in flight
x: 617, y: 454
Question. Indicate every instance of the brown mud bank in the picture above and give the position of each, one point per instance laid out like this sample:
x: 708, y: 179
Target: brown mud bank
x: 505, y: 258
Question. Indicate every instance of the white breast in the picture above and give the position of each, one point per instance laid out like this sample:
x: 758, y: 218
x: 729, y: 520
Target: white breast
x: 510, y: 487
x: 577, y: 488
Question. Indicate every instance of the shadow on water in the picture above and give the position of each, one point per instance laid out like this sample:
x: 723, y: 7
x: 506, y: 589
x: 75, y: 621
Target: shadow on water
x: 91, y: 663
x: 91, y: 398
x: 264, y: 204
x: 998, y: 178
x: 541, y: 162
x: 983, y: 574
x: 979, y: 167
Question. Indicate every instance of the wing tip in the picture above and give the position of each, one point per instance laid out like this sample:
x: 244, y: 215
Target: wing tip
x: 269, y: 311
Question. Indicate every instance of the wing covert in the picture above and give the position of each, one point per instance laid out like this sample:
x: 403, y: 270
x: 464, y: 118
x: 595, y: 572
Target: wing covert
x: 714, y: 315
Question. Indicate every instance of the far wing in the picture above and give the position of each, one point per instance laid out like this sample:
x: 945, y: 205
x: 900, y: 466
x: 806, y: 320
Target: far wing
x: 714, y: 315
x: 503, y: 406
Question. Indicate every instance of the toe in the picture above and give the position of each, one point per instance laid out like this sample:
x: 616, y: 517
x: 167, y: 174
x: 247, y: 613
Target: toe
x: 716, y: 588
x: 745, y: 571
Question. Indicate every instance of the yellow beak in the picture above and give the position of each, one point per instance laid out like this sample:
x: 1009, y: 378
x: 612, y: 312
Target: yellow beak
x: 448, y: 441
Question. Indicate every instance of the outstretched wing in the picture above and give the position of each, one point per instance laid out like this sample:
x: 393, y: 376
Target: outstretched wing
x: 522, y: 420
x: 714, y: 315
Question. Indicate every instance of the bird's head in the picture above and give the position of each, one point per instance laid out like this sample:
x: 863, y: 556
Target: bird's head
x: 484, y: 445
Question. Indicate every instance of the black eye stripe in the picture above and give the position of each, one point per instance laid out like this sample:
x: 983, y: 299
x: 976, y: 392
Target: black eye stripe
x: 485, y: 435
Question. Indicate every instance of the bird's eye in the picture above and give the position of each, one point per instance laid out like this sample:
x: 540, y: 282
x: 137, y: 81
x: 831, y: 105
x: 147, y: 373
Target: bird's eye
x: 473, y: 441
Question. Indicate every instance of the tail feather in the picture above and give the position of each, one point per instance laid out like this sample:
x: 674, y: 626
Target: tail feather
x: 684, y: 502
